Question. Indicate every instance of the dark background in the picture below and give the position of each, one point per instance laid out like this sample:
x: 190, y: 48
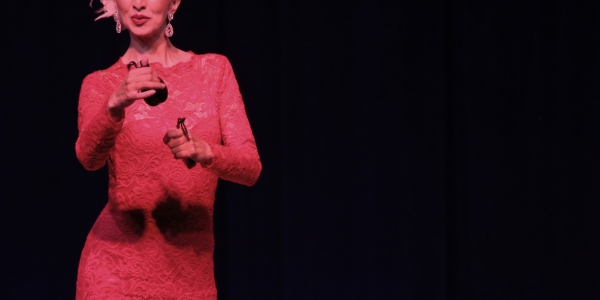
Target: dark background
x: 410, y: 149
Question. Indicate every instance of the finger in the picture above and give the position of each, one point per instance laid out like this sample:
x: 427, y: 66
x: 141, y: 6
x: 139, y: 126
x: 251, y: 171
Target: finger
x: 176, y: 142
x: 172, y: 134
x: 150, y: 78
x: 166, y: 138
x: 140, y: 74
x: 145, y: 61
x: 155, y: 76
x: 136, y: 95
x: 140, y: 70
x: 131, y: 65
x: 181, y: 149
x: 186, y: 153
x: 146, y: 85
x: 147, y: 74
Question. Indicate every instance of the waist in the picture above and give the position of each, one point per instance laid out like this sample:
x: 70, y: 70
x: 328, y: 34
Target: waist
x: 169, y: 223
x: 145, y: 190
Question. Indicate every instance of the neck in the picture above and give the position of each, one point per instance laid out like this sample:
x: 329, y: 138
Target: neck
x: 157, y: 49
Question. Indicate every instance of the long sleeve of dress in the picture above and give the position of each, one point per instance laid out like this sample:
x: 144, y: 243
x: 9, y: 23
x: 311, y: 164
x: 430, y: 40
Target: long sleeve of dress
x: 97, y: 131
x: 237, y: 158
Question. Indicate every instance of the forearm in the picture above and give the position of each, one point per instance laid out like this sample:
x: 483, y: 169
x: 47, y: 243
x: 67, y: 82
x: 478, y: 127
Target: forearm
x: 239, y: 165
x: 97, y: 138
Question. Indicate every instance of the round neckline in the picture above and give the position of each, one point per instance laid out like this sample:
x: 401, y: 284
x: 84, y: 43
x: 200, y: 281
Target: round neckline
x: 160, y: 65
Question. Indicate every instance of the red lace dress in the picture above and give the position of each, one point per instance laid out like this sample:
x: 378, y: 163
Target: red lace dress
x: 154, y: 239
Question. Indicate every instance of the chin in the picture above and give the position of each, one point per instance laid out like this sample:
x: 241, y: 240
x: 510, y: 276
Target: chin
x: 144, y: 34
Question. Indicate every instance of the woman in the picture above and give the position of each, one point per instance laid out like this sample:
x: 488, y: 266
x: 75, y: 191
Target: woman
x: 154, y: 239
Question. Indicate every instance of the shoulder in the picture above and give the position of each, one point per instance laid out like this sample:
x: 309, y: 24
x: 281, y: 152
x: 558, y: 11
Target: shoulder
x: 93, y: 79
x: 212, y: 65
x: 213, y: 60
x: 106, y: 75
x: 94, y: 76
x: 102, y: 81
x: 212, y: 57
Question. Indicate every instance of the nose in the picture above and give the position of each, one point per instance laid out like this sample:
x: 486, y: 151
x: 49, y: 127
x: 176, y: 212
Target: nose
x: 139, y: 5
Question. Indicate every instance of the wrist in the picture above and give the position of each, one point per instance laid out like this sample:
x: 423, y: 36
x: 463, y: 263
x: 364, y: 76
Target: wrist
x: 207, y: 162
x: 115, y: 113
x: 206, y: 158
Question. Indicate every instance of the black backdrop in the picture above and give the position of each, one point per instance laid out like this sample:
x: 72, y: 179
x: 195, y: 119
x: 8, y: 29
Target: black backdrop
x: 410, y: 149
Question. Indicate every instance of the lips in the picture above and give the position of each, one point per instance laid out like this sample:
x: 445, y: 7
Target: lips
x: 139, y: 20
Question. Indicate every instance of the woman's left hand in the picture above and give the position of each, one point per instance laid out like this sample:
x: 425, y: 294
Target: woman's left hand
x: 195, y: 149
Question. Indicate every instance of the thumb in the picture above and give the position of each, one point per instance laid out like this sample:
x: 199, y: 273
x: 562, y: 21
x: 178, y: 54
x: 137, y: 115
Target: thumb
x: 144, y: 61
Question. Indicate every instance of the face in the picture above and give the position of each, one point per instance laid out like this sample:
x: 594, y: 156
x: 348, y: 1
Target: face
x: 145, y: 19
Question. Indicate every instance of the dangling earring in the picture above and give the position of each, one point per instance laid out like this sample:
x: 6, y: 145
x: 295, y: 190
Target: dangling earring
x: 118, y: 20
x: 169, y: 28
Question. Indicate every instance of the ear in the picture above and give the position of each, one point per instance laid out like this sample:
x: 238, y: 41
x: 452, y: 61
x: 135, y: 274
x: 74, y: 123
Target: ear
x: 174, y: 6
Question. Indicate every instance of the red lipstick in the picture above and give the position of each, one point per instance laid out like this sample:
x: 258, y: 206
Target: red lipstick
x: 139, y: 20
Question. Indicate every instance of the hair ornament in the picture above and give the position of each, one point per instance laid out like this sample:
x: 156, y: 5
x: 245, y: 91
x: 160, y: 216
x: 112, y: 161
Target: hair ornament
x: 108, y: 10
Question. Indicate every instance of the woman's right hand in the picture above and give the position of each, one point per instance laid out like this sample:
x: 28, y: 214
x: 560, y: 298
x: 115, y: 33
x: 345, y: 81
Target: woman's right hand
x: 130, y: 90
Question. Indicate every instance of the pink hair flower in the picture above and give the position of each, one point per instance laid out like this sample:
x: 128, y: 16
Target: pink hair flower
x: 109, y: 9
